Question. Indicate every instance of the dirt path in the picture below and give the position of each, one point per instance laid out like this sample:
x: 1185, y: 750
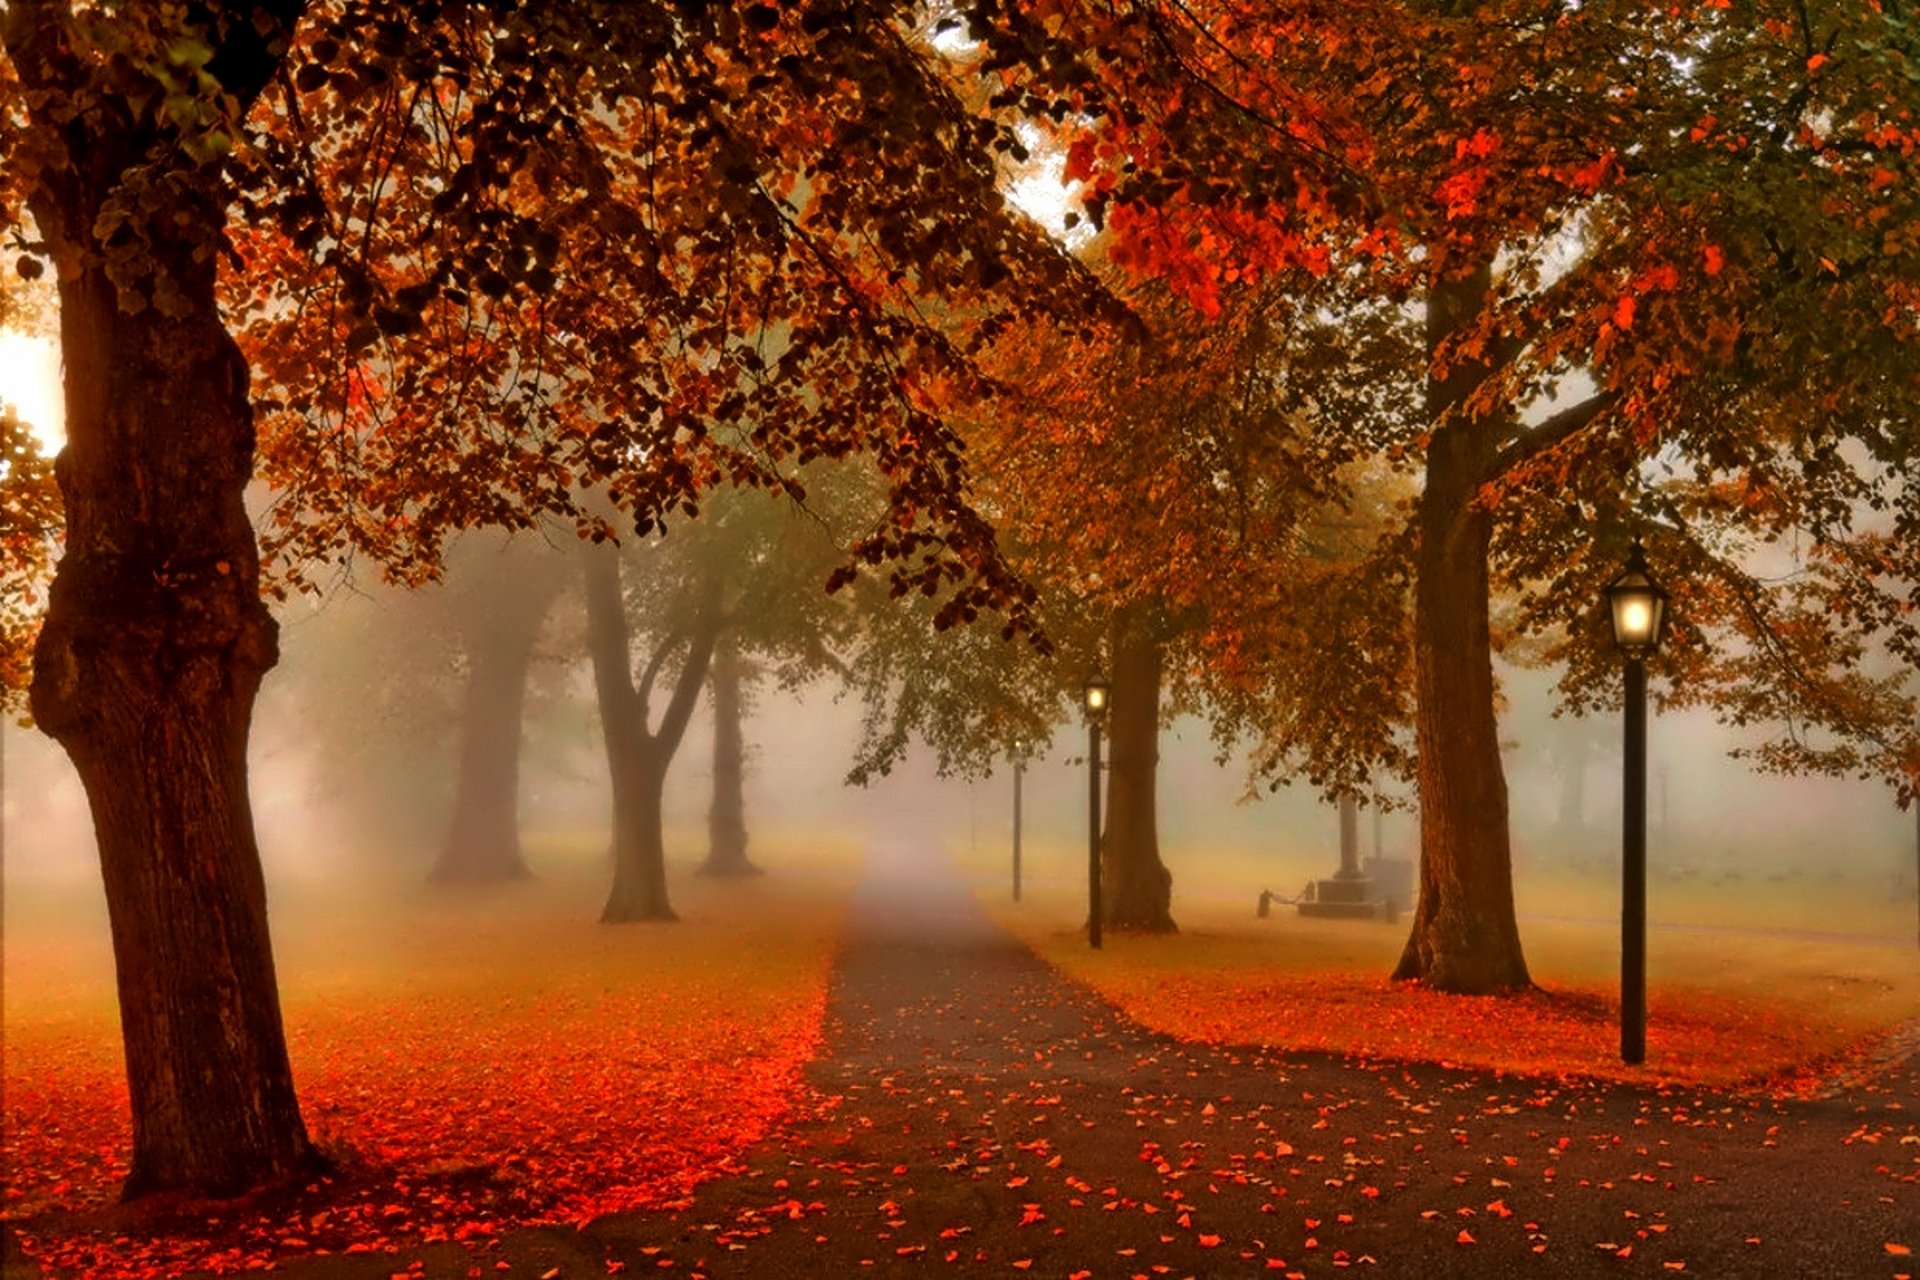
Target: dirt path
x: 978, y: 1113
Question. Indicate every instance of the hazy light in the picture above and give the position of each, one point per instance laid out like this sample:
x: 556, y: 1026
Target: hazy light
x: 1635, y: 618
x: 30, y: 382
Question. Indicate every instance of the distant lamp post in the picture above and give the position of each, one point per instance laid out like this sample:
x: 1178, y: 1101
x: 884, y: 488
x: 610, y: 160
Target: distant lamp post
x: 1096, y: 696
x: 1639, y: 609
x: 1019, y: 766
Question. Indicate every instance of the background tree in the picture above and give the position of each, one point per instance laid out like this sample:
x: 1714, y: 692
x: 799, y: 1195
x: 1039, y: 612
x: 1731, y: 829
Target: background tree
x: 500, y: 592
x: 1163, y: 492
x: 728, y: 697
x: 745, y: 577
x: 784, y: 630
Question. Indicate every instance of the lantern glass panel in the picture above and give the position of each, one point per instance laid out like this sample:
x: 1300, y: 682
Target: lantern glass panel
x: 1639, y: 609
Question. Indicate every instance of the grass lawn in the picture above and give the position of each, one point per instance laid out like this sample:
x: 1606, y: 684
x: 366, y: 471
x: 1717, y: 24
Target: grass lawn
x: 1729, y: 1002
x: 473, y: 1059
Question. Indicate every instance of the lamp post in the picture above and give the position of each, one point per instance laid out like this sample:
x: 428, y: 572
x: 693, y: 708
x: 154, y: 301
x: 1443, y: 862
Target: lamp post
x: 1095, y: 695
x: 1019, y: 764
x: 1639, y: 609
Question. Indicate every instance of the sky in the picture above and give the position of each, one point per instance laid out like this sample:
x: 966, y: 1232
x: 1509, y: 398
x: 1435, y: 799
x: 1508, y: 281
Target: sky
x: 30, y: 382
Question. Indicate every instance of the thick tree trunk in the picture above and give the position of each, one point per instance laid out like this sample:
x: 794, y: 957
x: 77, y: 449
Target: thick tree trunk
x: 146, y: 672
x: 637, y: 756
x: 1464, y: 935
x: 1138, y: 889
x: 155, y: 638
x: 483, y: 840
x: 727, y: 818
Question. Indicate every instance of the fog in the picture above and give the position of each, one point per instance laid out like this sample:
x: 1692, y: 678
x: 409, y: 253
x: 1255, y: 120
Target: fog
x: 356, y: 742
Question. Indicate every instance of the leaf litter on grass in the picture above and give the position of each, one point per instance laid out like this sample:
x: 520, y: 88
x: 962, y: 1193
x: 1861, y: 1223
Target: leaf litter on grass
x: 616, y: 1073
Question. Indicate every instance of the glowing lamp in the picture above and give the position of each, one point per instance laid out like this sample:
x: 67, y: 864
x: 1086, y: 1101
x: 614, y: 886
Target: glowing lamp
x: 1639, y: 607
x: 1096, y: 697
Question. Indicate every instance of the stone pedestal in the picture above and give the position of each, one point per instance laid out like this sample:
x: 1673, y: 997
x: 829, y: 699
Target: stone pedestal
x: 1347, y: 897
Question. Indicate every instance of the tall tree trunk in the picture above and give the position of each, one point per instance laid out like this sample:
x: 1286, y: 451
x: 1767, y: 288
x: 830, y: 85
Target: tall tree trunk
x: 1138, y: 889
x: 639, y: 891
x: 146, y: 671
x: 727, y: 818
x: 1570, y: 817
x: 1464, y: 937
x: 638, y: 756
x: 483, y: 839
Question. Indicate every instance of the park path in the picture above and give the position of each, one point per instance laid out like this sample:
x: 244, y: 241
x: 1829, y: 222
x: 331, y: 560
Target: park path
x: 975, y: 1112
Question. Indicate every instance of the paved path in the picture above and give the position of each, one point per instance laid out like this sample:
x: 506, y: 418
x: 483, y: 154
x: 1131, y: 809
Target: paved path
x: 993, y: 1119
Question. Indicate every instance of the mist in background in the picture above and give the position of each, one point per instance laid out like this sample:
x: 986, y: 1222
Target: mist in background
x: 357, y: 737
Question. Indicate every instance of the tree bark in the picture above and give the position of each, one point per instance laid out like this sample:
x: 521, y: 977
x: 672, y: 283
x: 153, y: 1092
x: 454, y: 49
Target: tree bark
x: 637, y: 756
x: 1464, y: 937
x: 156, y: 639
x: 727, y: 818
x: 500, y: 623
x: 639, y: 892
x: 1138, y: 889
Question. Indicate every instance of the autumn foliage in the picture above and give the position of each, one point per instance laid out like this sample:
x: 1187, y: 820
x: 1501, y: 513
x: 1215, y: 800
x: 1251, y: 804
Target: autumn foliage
x: 1696, y: 1037
x: 527, y: 1071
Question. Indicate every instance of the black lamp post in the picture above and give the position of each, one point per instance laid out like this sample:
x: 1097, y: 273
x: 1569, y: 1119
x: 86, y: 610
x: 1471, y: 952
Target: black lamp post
x: 1639, y: 609
x: 1096, y: 704
x: 1019, y: 765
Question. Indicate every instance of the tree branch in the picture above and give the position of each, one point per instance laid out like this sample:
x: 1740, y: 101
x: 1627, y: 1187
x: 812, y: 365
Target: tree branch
x: 643, y: 691
x: 693, y: 670
x: 607, y: 637
x: 1552, y: 433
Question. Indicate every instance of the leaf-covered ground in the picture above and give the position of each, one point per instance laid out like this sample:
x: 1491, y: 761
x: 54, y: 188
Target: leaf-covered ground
x: 989, y: 1118
x: 969, y: 1110
x: 473, y: 1064
x: 1770, y: 1004
x: 1694, y: 1036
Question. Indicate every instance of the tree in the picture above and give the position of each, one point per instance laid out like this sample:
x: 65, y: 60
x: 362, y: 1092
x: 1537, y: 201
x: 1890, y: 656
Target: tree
x: 638, y: 751
x: 743, y: 578
x: 1154, y: 475
x: 727, y: 688
x: 501, y: 597
x: 155, y: 638
x: 1562, y: 193
x: 429, y: 231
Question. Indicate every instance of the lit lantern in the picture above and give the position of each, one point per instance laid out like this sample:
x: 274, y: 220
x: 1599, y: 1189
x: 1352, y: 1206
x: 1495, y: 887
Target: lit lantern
x: 1639, y: 607
x: 1096, y: 697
